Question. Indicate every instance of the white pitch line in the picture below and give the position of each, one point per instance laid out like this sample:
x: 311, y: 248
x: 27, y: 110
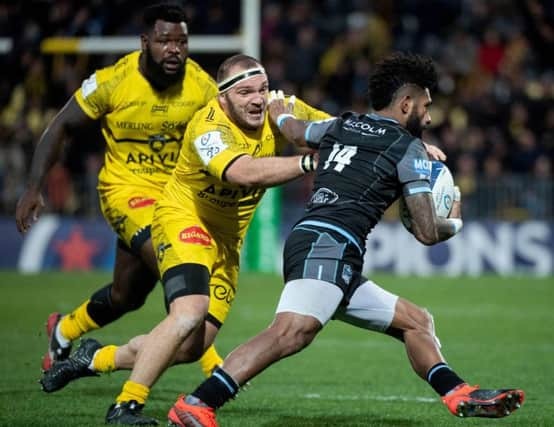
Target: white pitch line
x: 368, y: 397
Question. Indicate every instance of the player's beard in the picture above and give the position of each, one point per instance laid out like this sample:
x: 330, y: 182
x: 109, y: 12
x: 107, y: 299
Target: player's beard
x: 413, y: 125
x: 159, y: 78
x: 238, y: 116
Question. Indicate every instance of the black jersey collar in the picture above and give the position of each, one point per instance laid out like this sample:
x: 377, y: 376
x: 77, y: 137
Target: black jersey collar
x: 376, y: 116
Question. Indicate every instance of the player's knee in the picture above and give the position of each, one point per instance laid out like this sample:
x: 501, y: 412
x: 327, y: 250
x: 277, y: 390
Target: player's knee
x: 136, y: 343
x: 293, y: 335
x: 188, y: 314
x: 412, y: 318
x: 424, y: 321
x: 186, y: 323
x: 428, y: 326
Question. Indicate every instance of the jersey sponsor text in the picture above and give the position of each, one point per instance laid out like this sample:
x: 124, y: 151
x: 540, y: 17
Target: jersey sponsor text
x: 422, y: 166
x: 140, y: 202
x: 134, y: 125
x: 195, y: 235
x: 364, y: 127
x: 165, y: 159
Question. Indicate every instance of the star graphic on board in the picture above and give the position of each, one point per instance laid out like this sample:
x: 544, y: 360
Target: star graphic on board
x: 76, y: 251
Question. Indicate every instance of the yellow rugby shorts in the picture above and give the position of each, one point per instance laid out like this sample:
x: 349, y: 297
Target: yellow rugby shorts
x: 129, y: 210
x: 180, y: 237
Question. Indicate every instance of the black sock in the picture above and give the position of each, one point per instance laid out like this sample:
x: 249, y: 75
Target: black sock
x: 217, y: 389
x: 442, y: 378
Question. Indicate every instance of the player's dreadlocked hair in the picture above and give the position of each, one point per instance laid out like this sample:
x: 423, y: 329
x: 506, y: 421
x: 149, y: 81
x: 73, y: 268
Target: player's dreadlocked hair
x: 244, y: 60
x: 169, y: 12
x: 397, y: 70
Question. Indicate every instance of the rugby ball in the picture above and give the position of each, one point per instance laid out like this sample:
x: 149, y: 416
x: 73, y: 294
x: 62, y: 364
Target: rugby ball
x: 442, y: 188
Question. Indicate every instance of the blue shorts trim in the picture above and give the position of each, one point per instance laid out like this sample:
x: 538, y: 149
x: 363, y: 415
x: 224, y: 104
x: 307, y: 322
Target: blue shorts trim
x: 339, y: 230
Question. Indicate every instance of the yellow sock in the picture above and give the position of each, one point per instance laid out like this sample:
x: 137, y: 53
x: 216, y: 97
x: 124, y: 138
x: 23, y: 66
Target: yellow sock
x: 133, y: 391
x: 104, y: 360
x: 77, y: 323
x: 209, y: 360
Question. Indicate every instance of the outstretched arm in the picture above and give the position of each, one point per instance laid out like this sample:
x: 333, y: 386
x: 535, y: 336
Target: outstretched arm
x: 269, y: 171
x: 294, y: 130
x: 47, y: 152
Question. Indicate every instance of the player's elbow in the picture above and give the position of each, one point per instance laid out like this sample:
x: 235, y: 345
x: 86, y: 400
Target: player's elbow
x: 299, y: 141
x: 244, y: 178
x: 244, y: 171
x: 426, y: 241
x: 426, y: 235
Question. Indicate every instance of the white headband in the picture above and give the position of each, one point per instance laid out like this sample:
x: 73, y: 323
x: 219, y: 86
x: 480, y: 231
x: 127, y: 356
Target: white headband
x: 229, y: 82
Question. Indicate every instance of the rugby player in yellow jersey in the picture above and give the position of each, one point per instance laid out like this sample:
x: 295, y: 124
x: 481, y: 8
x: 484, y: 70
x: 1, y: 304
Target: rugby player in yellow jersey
x: 143, y: 102
x: 230, y: 154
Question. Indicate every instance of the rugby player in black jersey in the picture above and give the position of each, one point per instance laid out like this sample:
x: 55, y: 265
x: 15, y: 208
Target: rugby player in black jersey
x: 366, y: 162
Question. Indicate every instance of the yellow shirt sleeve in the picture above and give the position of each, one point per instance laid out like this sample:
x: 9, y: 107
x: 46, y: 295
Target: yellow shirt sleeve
x: 304, y: 111
x: 216, y: 149
x: 94, y: 95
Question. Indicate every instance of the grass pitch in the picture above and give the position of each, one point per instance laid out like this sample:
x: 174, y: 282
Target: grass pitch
x: 495, y: 332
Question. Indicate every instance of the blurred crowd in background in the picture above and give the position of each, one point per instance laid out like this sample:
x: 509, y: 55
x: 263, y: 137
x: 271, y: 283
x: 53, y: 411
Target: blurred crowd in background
x: 493, y: 114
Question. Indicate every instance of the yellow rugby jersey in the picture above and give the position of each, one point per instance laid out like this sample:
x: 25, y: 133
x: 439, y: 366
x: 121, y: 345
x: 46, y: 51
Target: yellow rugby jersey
x: 212, y: 141
x: 143, y: 128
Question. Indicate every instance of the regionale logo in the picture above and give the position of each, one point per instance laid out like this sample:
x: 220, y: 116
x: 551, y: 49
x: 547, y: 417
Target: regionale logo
x: 140, y: 202
x: 195, y: 235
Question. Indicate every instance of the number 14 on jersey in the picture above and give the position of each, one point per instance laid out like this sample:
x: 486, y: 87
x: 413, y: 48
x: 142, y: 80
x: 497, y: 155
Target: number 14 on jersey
x: 341, y: 155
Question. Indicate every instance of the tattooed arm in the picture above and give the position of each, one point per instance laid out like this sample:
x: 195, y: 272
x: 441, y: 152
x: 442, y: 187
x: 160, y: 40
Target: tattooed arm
x: 427, y: 227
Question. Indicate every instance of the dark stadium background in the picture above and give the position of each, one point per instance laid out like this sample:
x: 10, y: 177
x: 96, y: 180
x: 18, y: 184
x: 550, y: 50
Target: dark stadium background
x: 493, y: 114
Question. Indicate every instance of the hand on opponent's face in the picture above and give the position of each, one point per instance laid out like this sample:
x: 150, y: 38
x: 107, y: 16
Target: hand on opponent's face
x: 277, y: 105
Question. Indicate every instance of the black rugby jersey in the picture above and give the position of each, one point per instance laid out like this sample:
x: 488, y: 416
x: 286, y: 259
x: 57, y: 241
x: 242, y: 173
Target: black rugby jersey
x: 366, y: 162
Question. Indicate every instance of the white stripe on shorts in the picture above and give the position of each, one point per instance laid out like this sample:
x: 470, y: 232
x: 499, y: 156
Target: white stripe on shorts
x: 371, y: 307
x: 310, y: 297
